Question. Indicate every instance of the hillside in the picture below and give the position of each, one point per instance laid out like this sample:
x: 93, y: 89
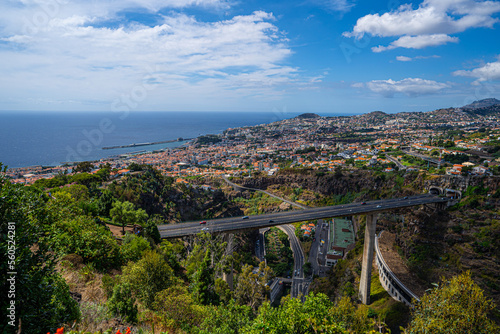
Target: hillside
x: 482, y: 103
x: 484, y: 111
x: 433, y: 244
x: 80, y: 275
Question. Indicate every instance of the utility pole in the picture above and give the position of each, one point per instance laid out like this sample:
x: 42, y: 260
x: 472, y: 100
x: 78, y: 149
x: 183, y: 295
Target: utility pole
x: 439, y: 161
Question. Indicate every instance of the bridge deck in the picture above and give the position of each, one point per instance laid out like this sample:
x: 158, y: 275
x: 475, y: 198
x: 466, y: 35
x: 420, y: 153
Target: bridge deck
x: 234, y: 224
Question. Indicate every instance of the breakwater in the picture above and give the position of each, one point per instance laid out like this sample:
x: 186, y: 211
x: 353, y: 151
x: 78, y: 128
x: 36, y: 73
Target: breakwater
x: 147, y: 144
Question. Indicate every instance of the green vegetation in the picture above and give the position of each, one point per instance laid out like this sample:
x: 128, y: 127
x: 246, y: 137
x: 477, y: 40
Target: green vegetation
x: 458, y: 306
x: 122, y: 303
x: 177, y: 286
x: 208, y: 139
x: 258, y: 203
x: 41, y: 297
x: 279, y: 256
x: 123, y: 213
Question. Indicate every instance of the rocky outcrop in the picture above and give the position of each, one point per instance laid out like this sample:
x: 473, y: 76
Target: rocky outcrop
x: 325, y: 184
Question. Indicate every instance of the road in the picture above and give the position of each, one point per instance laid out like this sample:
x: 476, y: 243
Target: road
x: 299, y: 288
x: 260, y: 247
x: 396, y: 161
x: 313, y: 252
x: 234, y: 224
x: 317, y: 254
x: 424, y: 157
x: 265, y: 192
x: 298, y: 255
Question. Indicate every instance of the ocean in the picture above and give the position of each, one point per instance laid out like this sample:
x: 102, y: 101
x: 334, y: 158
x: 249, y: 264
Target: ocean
x: 53, y: 138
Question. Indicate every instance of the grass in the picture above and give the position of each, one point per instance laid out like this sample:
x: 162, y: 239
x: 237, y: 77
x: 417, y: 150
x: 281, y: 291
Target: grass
x: 258, y: 204
x: 396, y: 314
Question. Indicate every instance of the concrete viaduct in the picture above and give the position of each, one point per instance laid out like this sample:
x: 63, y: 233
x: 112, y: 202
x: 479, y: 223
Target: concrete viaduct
x: 370, y: 209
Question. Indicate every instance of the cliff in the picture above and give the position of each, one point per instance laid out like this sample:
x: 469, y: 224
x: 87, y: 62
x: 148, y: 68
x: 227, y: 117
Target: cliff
x: 433, y: 243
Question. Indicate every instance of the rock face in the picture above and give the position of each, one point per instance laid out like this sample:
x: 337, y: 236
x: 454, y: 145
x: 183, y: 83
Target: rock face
x: 461, y: 183
x: 358, y: 181
x: 325, y: 184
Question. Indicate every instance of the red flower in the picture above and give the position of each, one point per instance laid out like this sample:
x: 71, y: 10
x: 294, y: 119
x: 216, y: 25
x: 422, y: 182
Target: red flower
x: 60, y: 330
x: 128, y: 330
x: 118, y: 332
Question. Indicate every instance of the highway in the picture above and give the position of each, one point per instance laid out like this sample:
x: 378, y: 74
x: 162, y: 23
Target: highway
x: 298, y: 255
x: 424, y: 157
x: 235, y: 224
x: 396, y: 161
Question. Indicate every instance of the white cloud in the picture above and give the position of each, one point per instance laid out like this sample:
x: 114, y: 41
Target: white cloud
x: 431, y: 17
x: 429, y: 24
x: 410, y: 86
x: 487, y: 72
x: 417, y: 42
x: 342, y: 6
x: 76, y: 56
x: 403, y: 58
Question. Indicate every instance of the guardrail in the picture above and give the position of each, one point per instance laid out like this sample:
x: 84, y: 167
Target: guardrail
x: 390, y: 282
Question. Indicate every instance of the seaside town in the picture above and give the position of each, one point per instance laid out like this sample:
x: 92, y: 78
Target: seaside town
x: 453, y: 141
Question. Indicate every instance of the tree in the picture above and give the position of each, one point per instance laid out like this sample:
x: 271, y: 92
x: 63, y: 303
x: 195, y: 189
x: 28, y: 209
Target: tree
x: 251, y: 288
x: 458, y: 306
x: 223, y: 291
x: 308, y: 268
x: 203, y: 283
x: 354, y: 319
x: 121, y: 303
x: 41, y: 297
x: 124, y: 213
x: 148, y: 276
x: 84, y: 167
x: 150, y: 228
x: 84, y: 178
x: 227, y: 318
x: 295, y: 317
x: 104, y: 173
x: 466, y: 170
x: 133, y: 247
x: 82, y: 236
x: 105, y: 202
x: 176, y: 309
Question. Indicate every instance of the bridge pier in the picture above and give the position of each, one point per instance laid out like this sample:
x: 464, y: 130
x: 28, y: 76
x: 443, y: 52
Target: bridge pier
x: 228, y: 278
x: 366, y: 269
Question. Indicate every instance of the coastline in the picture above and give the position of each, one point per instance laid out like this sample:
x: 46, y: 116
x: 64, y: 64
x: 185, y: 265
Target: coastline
x: 50, y: 139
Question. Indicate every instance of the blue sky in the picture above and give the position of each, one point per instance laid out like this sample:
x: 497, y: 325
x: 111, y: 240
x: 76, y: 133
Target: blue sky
x: 323, y: 56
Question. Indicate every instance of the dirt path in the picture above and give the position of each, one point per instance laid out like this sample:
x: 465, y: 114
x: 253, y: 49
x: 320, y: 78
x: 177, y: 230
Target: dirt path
x: 117, y: 230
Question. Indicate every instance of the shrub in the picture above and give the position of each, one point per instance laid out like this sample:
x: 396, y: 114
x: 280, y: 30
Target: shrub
x: 82, y: 236
x: 133, y: 247
x: 457, y: 306
x: 121, y: 303
x: 148, y: 276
